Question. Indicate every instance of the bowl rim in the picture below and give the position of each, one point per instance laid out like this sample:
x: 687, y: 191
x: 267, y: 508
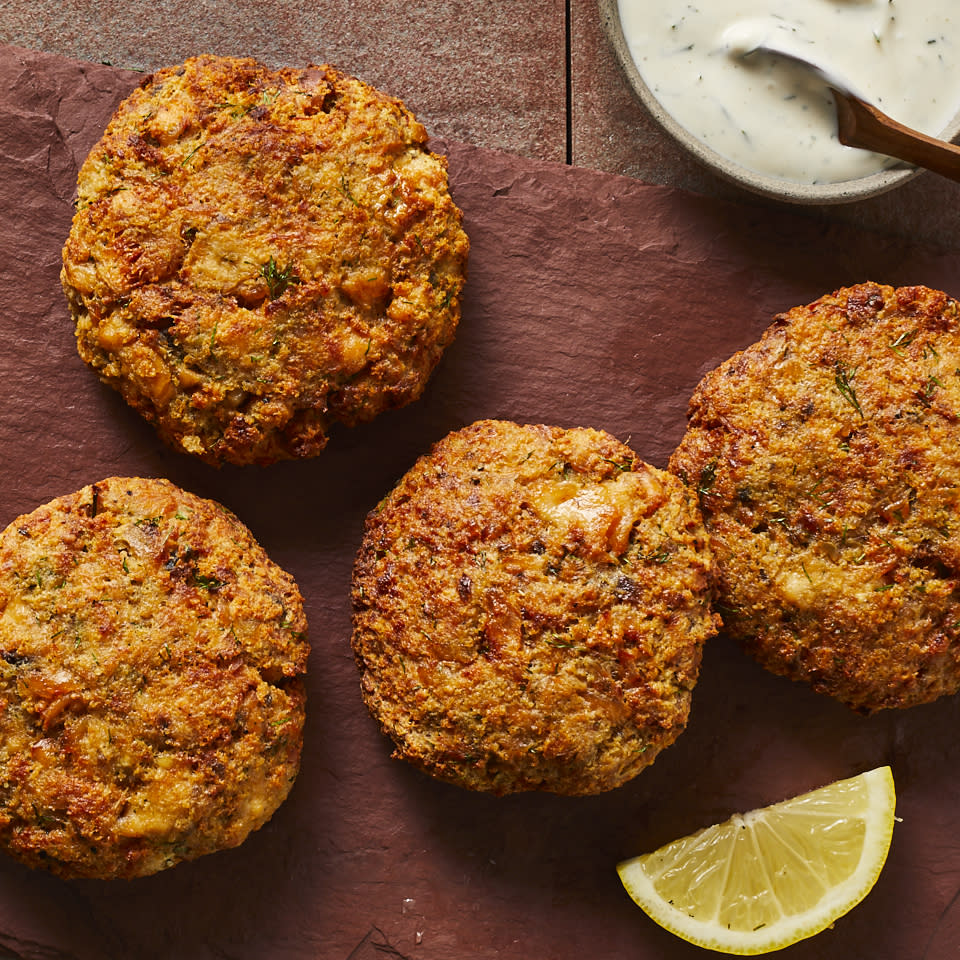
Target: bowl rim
x: 808, y: 193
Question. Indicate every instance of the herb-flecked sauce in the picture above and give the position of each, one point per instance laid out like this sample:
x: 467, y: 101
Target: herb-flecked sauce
x: 775, y: 116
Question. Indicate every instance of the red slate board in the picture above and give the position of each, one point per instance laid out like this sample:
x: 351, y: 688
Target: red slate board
x: 592, y: 300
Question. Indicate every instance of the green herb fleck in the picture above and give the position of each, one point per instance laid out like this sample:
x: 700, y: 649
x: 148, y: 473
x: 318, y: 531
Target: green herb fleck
x: 707, y: 477
x: 345, y: 190
x: 904, y: 340
x: 236, y: 109
x: 929, y: 389
x: 286, y: 623
x: 207, y: 583
x: 44, y: 820
x: 843, y: 379
x: 278, y: 278
x: 815, y: 496
x: 661, y: 557
x: 186, y: 159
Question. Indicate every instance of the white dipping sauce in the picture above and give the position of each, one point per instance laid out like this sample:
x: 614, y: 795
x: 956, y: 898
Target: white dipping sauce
x: 775, y: 116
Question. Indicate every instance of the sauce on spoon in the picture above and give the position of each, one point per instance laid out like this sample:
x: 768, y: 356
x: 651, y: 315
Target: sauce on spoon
x: 774, y: 115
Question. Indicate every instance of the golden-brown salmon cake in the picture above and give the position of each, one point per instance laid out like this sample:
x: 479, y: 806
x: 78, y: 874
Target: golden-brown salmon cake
x: 530, y: 605
x: 258, y: 254
x: 151, y: 664
x: 827, y: 461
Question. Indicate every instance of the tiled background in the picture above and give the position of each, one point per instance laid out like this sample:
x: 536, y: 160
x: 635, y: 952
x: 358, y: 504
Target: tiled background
x: 534, y: 77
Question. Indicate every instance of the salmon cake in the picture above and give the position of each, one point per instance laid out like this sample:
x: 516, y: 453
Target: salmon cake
x: 151, y: 681
x: 257, y: 254
x: 530, y: 606
x: 827, y: 462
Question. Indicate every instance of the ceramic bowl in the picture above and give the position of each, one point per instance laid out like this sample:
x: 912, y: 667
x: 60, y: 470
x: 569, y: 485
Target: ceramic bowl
x: 787, y: 190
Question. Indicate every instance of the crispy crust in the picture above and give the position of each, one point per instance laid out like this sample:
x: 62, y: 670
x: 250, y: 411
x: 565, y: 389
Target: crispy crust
x: 151, y: 662
x: 258, y: 254
x: 828, y: 465
x: 530, y: 605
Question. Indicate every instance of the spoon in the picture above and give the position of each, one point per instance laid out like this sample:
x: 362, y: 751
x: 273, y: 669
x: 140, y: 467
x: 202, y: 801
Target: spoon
x: 859, y: 123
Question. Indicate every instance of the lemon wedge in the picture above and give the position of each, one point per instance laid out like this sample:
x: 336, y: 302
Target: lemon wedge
x: 765, y: 879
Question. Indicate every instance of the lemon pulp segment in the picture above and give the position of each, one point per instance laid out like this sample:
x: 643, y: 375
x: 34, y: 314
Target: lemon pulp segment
x: 765, y: 879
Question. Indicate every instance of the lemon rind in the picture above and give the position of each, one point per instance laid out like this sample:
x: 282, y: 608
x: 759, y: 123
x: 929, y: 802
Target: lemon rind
x: 839, y: 900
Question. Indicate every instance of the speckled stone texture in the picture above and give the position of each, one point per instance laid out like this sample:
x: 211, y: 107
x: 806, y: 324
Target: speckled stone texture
x: 594, y: 300
x: 485, y: 73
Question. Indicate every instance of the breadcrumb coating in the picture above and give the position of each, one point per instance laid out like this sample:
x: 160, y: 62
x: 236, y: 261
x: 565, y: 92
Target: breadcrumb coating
x: 259, y: 254
x: 151, y: 691
x: 530, y: 608
x: 827, y: 461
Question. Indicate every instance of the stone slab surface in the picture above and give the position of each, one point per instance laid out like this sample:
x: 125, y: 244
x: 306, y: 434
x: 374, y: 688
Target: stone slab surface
x: 594, y: 300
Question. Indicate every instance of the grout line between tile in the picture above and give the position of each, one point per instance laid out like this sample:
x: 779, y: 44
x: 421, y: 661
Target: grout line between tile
x: 568, y: 85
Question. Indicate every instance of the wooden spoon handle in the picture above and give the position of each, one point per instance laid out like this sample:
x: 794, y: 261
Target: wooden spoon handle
x: 861, y: 125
